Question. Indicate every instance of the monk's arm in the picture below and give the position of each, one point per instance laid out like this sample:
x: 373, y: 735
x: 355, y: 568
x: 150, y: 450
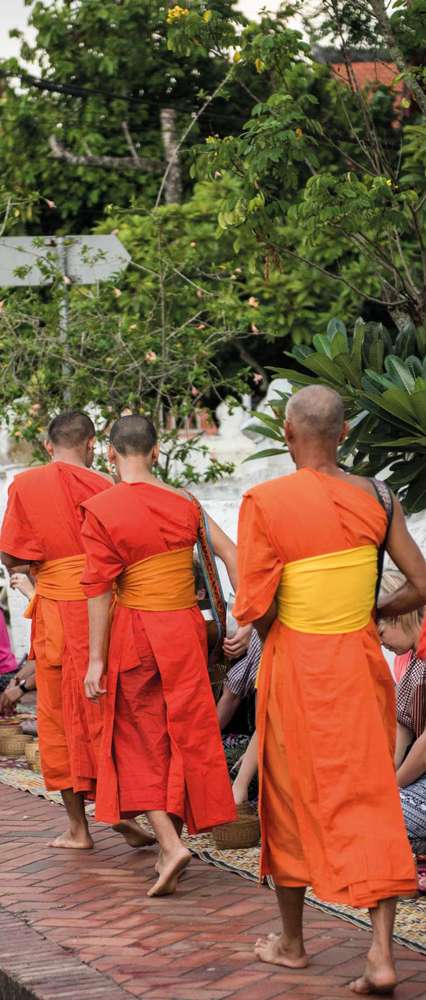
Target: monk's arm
x: 414, y: 765
x: 408, y: 558
x: 225, y: 549
x: 98, y: 632
x: 15, y: 563
x: 227, y: 552
x: 263, y: 624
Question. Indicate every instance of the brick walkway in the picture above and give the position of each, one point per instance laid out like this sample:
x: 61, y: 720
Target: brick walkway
x: 81, y: 927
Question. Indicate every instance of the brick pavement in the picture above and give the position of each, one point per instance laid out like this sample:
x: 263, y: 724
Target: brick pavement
x: 81, y: 926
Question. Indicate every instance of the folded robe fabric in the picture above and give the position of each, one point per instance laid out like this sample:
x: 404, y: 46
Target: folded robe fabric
x: 330, y: 809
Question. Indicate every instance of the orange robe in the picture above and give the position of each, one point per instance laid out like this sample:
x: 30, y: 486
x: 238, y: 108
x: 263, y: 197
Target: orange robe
x: 161, y: 747
x: 330, y: 809
x: 42, y: 523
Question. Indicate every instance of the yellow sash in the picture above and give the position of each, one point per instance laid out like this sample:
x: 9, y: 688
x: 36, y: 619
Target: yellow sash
x: 329, y: 594
x: 164, y: 582
x: 59, y: 579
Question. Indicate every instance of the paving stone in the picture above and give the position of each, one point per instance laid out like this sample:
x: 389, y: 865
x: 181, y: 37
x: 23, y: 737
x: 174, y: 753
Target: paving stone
x: 80, y: 927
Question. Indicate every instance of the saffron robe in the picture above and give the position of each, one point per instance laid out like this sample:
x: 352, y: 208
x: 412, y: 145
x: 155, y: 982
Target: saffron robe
x: 326, y: 716
x: 42, y: 523
x: 161, y: 746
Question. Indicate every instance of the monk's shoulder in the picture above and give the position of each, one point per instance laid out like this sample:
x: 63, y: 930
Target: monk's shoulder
x: 29, y: 478
x: 104, y: 501
x: 268, y: 492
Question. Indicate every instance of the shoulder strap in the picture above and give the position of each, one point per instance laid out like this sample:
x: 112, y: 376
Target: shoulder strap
x: 385, y: 498
x: 210, y: 572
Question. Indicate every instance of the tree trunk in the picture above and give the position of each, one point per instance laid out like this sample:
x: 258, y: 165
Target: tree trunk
x: 173, y: 181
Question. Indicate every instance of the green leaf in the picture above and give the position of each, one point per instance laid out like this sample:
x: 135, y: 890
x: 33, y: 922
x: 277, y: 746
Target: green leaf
x: 326, y: 368
x: 399, y: 372
x: 418, y: 402
x: 358, y: 342
x: 335, y: 326
x: 322, y: 344
x: 265, y: 454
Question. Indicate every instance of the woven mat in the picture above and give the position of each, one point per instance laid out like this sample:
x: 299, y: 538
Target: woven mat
x: 410, y: 921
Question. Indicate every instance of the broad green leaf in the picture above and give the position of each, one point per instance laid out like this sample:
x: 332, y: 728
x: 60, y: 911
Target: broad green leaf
x: 335, y: 326
x: 326, y: 368
x: 401, y: 375
x: 358, y: 342
x: 418, y: 402
x: 323, y: 345
x: 265, y: 454
x: 349, y: 369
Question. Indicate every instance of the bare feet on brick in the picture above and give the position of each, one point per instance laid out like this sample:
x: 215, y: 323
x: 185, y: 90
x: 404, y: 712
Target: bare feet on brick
x: 169, y: 868
x: 276, y: 950
x: 133, y: 834
x: 79, y: 840
x: 379, y: 976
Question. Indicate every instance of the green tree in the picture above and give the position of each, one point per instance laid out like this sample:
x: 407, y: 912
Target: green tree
x: 86, y: 128
x: 329, y: 176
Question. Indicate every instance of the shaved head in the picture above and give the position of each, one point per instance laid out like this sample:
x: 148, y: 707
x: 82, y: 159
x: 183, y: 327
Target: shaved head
x: 133, y: 435
x: 317, y: 412
x: 71, y: 429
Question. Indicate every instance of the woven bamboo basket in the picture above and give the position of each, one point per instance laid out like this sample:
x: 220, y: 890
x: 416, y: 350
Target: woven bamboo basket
x: 30, y: 751
x: 9, y: 727
x: 13, y: 746
x: 244, y: 832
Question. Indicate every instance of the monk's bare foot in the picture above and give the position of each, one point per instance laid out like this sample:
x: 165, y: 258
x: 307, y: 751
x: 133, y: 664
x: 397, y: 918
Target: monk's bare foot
x: 379, y: 976
x: 277, y: 951
x: 169, y: 868
x: 133, y: 834
x: 80, y: 840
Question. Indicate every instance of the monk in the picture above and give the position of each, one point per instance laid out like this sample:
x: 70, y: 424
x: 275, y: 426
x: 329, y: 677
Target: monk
x: 307, y: 564
x: 41, y: 534
x: 161, y: 752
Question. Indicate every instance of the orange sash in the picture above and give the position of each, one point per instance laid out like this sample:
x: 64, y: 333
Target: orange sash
x: 164, y: 582
x: 59, y: 579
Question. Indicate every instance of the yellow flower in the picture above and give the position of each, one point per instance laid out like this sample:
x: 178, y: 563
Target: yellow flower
x: 175, y: 13
x: 299, y: 133
x: 237, y: 56
x: 207, y: 16
x: 260, y: 65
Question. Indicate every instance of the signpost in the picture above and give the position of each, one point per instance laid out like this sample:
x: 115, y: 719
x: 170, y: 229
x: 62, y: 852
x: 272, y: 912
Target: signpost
x: 76, y: 260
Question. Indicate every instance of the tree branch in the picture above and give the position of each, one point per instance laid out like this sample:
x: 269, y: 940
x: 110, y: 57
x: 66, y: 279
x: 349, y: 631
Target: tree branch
x: 396, y: 54
x: 120, y: 163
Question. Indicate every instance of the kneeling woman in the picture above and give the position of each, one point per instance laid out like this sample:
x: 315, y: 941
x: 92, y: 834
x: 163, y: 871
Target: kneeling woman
x: 402, y: 635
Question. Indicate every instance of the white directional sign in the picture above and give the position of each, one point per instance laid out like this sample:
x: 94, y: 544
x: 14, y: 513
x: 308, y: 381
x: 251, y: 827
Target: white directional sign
x: 29, y: 260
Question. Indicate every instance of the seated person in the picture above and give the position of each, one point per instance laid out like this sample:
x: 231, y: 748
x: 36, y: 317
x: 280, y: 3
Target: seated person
x: 22, y: 679
x: 240, y: 680
x: 402, y: 635
x: 8, y: 664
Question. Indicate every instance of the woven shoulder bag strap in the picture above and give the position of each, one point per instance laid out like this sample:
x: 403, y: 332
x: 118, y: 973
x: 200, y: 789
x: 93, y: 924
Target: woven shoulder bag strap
x: 385, y: 498
x: 210, y: 573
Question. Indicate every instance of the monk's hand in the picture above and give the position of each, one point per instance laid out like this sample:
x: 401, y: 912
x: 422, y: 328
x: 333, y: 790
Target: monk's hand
x: 237, y: 646
x: 92, y: 681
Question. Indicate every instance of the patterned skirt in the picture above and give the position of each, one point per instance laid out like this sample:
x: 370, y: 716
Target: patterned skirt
x: 413, y: 802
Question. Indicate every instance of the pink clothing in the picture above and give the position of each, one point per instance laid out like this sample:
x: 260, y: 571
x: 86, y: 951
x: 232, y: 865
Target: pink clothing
x: 400, y: 665
x: 7, y: 659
